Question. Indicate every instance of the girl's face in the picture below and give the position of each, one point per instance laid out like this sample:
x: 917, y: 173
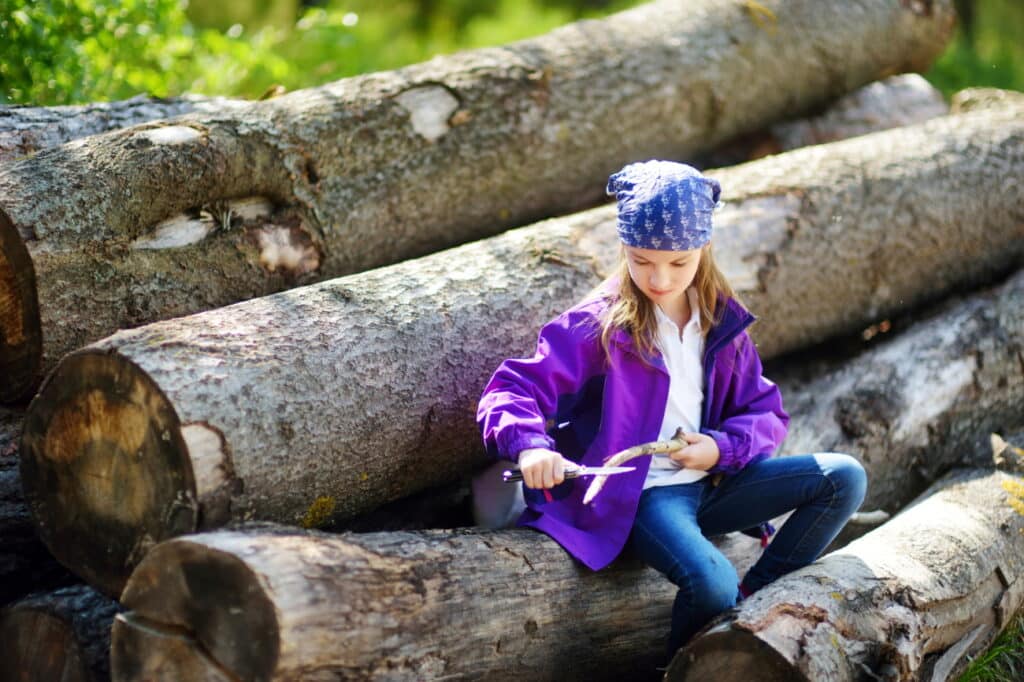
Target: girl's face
x: 663, y: 276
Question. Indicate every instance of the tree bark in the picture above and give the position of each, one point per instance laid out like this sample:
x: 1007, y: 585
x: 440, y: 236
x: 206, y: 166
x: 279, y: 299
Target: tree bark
x: 24, y: 131
x: 25, y: 564
x: 908, y: 601
x: 888, y: 103
x: 329, y: 400
x: 383, y: 167
x: 283, y: 604
x: 62, y: 636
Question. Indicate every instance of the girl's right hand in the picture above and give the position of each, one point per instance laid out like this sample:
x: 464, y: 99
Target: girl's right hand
x: 542, y: 468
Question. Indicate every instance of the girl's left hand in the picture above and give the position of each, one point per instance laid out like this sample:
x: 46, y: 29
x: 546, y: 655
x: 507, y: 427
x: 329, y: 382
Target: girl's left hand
x: 701, y: 453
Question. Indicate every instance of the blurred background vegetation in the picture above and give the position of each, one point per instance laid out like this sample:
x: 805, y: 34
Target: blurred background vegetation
x: 78, y: 51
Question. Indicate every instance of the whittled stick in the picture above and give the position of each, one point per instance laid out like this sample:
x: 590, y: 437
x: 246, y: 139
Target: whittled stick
x: 658, y: 447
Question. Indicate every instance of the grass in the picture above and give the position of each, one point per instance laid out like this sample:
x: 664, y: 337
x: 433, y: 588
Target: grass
x: 1004, y: 660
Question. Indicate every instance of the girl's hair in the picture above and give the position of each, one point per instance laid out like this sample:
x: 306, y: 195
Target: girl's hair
x: 633, y: 312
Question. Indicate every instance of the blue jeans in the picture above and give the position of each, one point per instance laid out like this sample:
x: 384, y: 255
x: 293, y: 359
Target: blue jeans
x: 672, y: 523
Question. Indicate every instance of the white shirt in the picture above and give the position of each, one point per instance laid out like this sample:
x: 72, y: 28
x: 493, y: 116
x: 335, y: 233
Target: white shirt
x: 683, y: 353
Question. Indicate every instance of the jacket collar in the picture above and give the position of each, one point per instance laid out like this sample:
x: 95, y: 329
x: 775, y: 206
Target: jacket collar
x: 733, y: 319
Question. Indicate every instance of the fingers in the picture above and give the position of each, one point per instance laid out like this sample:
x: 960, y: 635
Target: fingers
x: 679, y: 455
x: 543, y: 470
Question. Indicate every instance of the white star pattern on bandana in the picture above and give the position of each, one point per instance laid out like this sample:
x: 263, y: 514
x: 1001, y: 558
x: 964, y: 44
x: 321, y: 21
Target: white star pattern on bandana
x: 664, y: 205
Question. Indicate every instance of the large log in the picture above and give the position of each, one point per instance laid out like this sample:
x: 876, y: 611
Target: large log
x: 26, y: 130
x: 891, y: 102
x: 25, y: 564
x: 62, y: 635
x: 909, y: 601
x: 330, y: 400
x: 387, y: 166
x: 283, y: 604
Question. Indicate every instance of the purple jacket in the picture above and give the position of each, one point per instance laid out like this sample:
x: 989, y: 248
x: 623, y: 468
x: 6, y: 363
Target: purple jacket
x: 567, y: 397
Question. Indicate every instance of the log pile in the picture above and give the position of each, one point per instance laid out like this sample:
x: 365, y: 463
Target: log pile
x: 474, y: 604
x: 322, y: 405
x: 168, y: 218
x: 182, y: 406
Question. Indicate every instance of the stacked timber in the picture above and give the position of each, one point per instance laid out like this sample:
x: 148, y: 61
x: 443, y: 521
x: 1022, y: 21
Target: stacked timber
x: 276, y: 603
x: 322, y: 404
x: 168, y: 218
x: 909, y: 601
x: 326, y: 401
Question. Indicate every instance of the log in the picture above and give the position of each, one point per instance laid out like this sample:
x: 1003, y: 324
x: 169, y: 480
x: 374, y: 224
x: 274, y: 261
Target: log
x: 25, y: 564
x: 169, y: 218
x: 286, y: 604
x: 26, y: 130
x: 285, y: 408
x: 62, y: 635
x: 909, y: 601
x: 890, y: 103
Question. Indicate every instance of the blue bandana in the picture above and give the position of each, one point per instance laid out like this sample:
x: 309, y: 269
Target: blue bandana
x: 664, y: 205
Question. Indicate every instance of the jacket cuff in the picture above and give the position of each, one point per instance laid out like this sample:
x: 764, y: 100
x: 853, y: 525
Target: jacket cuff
x: 518, y: 443
x: 726, y: 463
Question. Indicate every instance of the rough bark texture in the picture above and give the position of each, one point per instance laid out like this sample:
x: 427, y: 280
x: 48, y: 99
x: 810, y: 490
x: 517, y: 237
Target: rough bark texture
x: 25, y: 564
x: 888, y: 103
x: 326, y: 401
x: 25, y: 130
x: 59, y: 636
x: 908, y: 601
x: 919, y: 404
x: 387, y: 166
x: 464, y: 604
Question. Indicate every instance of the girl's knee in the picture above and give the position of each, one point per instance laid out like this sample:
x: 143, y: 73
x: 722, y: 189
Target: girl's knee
x: 847, y: 476
x: 713, y: 587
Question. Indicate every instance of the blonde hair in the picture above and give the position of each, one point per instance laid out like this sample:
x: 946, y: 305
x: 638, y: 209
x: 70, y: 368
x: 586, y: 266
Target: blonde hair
x: 632, y: 311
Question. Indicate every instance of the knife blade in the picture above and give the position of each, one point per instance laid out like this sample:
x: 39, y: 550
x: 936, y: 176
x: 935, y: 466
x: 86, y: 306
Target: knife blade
x: 516, y: 475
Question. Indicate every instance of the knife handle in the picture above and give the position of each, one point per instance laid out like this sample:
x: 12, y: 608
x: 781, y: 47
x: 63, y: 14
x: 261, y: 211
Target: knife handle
x: 510, y: 475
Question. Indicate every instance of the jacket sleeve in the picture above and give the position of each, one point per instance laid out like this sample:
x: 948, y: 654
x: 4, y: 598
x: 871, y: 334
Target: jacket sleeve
x: 523, y: 393
x: 753, y: 424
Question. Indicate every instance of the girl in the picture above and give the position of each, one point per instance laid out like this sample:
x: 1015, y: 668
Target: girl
x: 663, y: 345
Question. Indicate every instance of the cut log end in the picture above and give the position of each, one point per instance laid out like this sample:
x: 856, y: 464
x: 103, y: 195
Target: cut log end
x: 20, y: 330
x: 203, y: 603
x: 105, y: 468
x: 134, y: 641
x: 40, y: 646
x: 727, y: 654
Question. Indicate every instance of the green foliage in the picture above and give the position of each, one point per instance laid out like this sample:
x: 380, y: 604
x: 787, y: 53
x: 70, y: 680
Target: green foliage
x: 987, y: 49
x: 73, y: 51
x: 1004, y: 660
x: 64, y: 51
